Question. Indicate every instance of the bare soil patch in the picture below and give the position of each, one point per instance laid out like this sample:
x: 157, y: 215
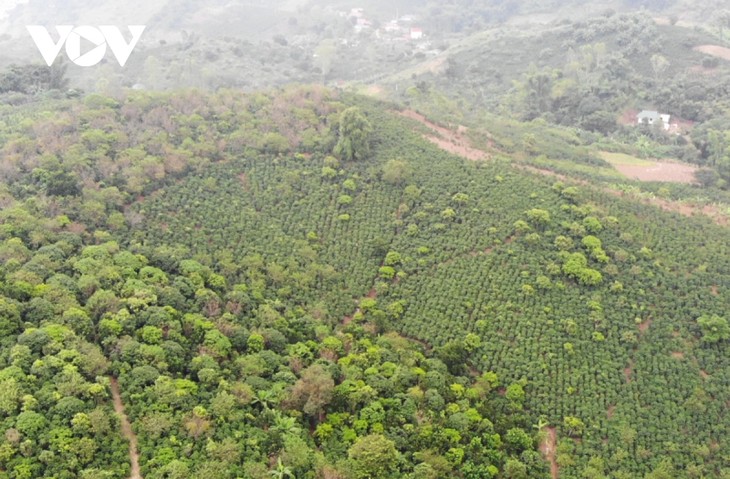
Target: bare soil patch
x: 644, y: 326
x: 243, y: 178
x: 678, y: 355
x: 126, y: 429
x: 610, y: 411
x: 660, y: 171
x: 455, y: 142
x: 548, y: 449
x: 628, y: 117
x: 715, y: 51
x: 628, y: 371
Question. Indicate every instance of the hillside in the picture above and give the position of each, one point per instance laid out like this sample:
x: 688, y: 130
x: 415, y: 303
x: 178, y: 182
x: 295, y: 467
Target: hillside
x: 315, y: 239
x: 258, y: 44
x: 299, y: 281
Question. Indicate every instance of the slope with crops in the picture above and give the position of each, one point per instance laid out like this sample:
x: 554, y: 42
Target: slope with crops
x: 203, y: 250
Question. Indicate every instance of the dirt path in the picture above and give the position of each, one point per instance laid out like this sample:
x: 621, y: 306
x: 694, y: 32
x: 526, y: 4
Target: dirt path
x: 455, y: 142
x: 126, y: 429
x: 548, y: 449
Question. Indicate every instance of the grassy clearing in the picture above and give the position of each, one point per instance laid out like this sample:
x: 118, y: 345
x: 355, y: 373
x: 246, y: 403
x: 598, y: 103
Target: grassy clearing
x: 622, y: 159
x: 570, y: 167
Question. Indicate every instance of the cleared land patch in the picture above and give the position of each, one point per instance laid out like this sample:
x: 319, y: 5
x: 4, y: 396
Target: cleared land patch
x: 455, y: 142
x: 650, y: 170
x: 715, y: 51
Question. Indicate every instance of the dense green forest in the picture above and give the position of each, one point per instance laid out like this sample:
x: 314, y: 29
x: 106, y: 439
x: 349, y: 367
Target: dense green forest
x: 296, y: 284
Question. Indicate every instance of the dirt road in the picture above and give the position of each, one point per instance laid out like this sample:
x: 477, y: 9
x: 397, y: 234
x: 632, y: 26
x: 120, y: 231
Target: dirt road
x: 126, y: 429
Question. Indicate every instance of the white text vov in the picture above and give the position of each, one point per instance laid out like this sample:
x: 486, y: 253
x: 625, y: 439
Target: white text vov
x: 71, y: 36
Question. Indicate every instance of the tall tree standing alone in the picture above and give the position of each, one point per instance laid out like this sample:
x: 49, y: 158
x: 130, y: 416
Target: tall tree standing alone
x: 354, y: 139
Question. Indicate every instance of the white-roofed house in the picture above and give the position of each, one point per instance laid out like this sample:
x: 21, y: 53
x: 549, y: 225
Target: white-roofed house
x: 650, y: 117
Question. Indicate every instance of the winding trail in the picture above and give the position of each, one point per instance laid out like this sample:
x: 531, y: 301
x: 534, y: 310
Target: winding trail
x: 126, y: 428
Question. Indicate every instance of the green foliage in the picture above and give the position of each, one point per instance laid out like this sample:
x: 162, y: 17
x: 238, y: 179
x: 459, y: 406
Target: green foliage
x: 573, y: 426
x: 373, y: 456
x: 33, y: 79
x: 714, y: 328
x: 396, y: 172
x: 354, y: 135
x: 246, y: 324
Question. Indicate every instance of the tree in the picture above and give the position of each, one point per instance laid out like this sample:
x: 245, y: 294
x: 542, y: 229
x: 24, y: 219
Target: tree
x: 281, y: 471
x: 723, y: 21
x: 534, y: 92
x: 313, y: 391
x: 573, y: 426
x: 78, y: 320
x: 354, y: 135
x: 515, y: 394
x: 9, y: 396
x: 373, y: 457
x: 518, y: 440
x: 665, y: 470
x: 454, y: 355
x: 324, y: 54
x: 31, y: 79
x: 659, y: 64
x: 514, y: 469
x: 538, y: 217
x: 714, y: 328
x: 285, y: 425
x: 396, y: 172
x: 9, y: 317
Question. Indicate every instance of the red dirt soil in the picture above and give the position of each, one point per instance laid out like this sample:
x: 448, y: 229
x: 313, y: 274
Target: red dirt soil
x: 454, y: 142
x: 660, y: 171
x: 628, y: 117
x: 629, y: 370
x: 548, y: 449
x: 645, y: 325
x: 715, y: 51
x: 126, y: 429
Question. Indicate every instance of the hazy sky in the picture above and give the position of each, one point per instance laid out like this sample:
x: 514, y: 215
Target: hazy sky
x: 7, y: 5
